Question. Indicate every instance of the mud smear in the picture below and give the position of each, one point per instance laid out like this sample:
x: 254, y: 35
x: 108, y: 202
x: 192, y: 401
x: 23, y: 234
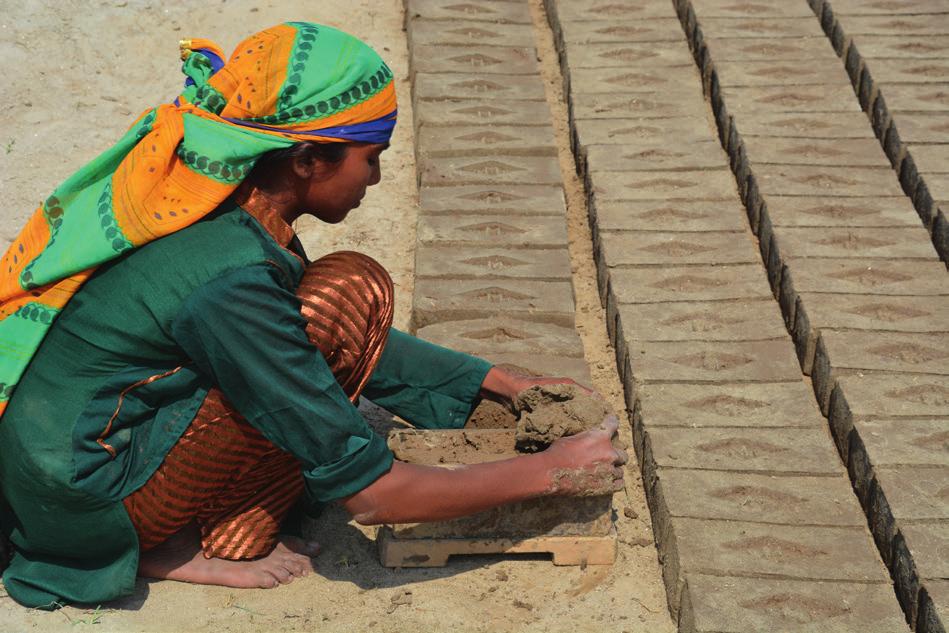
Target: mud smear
x: 549, y: 412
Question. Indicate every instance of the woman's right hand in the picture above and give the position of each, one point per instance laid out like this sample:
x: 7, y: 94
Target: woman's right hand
x: 587, y: 464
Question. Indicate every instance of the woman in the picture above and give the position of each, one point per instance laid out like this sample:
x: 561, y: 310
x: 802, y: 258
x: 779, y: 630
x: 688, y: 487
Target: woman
x: 171, y: 363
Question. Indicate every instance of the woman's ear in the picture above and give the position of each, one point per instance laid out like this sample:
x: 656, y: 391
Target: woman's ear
x: 303, y: 167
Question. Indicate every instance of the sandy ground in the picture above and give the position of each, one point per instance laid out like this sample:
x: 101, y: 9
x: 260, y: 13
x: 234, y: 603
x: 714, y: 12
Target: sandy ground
x: 77, y: 74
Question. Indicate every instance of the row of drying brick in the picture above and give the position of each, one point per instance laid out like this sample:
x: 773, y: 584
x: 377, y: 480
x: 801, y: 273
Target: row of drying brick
x: 757, y: 525
x: 493, y: 273
x: 877, y: 359
x: 895, y: 55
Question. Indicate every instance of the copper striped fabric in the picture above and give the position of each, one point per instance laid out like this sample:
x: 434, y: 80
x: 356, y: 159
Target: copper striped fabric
x: 223, y: 474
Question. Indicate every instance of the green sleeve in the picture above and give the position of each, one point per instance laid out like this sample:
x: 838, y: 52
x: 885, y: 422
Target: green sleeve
x: 430, y: 386
x: 245, y: 331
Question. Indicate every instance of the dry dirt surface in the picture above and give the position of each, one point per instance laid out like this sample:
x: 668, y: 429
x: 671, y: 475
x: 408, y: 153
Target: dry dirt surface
x: 77, y: 74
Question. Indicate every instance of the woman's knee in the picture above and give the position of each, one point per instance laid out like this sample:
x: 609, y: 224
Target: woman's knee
x: 353, y: 276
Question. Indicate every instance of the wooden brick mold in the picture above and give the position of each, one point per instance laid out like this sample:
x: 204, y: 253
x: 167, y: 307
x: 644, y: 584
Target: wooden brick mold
x: 574, y: 530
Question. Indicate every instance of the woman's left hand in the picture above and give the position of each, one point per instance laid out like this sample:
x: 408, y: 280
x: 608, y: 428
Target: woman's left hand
x: 502, y: 385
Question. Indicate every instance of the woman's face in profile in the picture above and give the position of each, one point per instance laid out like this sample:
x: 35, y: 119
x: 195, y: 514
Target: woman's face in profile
x: 332, y: 195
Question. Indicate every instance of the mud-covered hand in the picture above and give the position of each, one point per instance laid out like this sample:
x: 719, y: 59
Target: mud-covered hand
x: 502, y: 385
x: 588, y: 463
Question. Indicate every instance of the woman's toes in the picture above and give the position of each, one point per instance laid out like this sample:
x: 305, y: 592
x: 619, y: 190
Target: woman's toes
x: 296, y: 564
x: 281, y: 573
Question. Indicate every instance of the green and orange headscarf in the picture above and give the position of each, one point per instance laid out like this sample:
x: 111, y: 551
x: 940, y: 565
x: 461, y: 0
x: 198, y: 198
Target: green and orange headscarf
x: 294, y: 82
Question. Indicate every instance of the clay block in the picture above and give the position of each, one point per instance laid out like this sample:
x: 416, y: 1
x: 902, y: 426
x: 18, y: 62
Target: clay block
x: 814, y: 125
x: 484, y: 113
x: 939, y: 186
x: 890, y: 351
x: 467, y: 262
x: 666, y: 29
x: 762, y: 100
x: 761, y: 498
x: 761, y: 27
x: 462, y: 33
x: 894, y: 442
x: 929, y: 547
x: 552, y: 516
x: 930, y: 159
x: 910, y: 49
x: 916, y: 71
x: 678, y: 283
x: 898, y: 243
x: 639, y: 248
x: 478, y: 140
x: 915, y: 492
x: 610, y: 10
x: 680, y: 215
x: 584, y: 81
x: 513, y: 199
x: 659, y: 155
x: 759, y: 361
x: 865, y: 152
x: 493, y: 230
x: 794, y: 211
x: 923, y: 127
x: 440, y: 86
x: 476, y: 10
x: 774, y: 450
x: 628, y: 55
x: 871, y: 276
x: 895, y: 394
x: 887, y: 7
x: 686, y: 101
x: 828, y: 181
x: 817, y: 553
x: 466, y: 170
x: 685, y: 130
x: 766, y: 48
x: 758, y: 8
x: 916, y: 98
x: 475, y: 60
x: 544, y: 364
x: 703, y: 321
x: 455, y: 299
x: 753, y: 405
x: 504, y: 335
x: 902, y: 25
x: 818, y: 71
x: 876, y: 312
x: 665, y: 185
x: 751, y: 605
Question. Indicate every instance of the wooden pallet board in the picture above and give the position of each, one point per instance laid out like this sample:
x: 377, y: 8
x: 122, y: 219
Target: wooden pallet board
x: 434, y: 552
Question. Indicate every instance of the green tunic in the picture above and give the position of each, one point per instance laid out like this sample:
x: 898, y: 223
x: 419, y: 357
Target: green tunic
x: 216, y: 299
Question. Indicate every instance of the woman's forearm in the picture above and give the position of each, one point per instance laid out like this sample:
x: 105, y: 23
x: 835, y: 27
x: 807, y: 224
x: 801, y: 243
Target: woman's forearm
x: 586, y: 463
x: 411, y: 493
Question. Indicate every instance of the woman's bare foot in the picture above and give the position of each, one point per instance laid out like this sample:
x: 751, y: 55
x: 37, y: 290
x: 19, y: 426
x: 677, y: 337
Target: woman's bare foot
x: 181, y: 558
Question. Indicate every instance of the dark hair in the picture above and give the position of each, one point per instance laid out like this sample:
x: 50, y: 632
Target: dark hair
x: 270, y: 164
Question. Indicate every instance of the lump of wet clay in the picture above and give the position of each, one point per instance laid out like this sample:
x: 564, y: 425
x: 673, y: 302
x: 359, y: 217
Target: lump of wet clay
x: 548, y: 412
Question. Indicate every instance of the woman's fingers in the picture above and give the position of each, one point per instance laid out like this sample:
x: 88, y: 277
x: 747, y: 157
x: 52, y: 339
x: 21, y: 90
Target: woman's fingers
x: 621, y: 457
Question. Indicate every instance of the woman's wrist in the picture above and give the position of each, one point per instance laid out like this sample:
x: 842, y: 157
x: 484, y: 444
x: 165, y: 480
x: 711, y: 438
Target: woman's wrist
x: 499, y: 386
